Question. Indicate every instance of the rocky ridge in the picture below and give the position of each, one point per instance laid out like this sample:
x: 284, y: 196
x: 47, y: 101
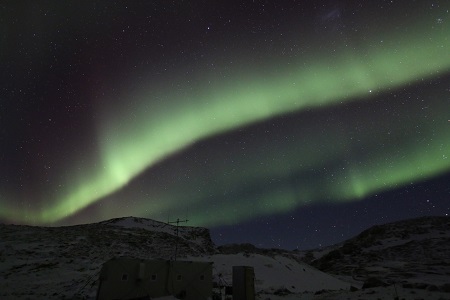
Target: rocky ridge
x: 413, y: 252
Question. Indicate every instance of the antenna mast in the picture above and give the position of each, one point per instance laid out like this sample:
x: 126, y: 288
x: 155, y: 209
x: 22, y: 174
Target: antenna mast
x: 178, y: 221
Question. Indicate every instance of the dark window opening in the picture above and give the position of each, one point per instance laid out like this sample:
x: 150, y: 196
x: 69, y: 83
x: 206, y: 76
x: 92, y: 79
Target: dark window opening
x: 153, y: 277
x: 179, y: 277
x: 202, y: 277
x: 124, y: 277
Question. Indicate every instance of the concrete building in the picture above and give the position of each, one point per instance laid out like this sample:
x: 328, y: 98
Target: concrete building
x: 130, y: 278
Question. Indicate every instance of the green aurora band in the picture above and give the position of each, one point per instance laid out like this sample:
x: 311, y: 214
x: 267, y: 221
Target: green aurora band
x: 135, y: 139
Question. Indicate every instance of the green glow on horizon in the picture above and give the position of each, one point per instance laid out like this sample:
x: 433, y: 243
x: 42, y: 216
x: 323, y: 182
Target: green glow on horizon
x: 134, y: 140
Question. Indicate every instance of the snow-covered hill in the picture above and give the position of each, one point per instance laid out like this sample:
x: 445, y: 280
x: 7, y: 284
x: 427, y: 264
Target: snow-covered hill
x: 59, y: 262
x: 410, y: 253
x: 64, y: 262
x: 408, y: 260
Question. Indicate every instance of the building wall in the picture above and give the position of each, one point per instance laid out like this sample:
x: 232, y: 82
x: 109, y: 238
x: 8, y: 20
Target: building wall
x: 126, y: 278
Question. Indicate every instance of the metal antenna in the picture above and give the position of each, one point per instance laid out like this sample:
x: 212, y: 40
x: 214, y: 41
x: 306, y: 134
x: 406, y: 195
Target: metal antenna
x: 178, y: 221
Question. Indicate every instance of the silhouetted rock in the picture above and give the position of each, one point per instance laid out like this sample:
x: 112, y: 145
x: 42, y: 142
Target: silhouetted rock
x: 373, y: 282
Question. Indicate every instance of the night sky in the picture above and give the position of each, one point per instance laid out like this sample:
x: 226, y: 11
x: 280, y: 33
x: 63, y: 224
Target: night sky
x: 289, y: 124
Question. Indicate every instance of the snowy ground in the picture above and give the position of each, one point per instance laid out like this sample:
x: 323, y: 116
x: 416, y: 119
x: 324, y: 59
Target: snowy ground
x: 368, y: 294
x: 276, y: 273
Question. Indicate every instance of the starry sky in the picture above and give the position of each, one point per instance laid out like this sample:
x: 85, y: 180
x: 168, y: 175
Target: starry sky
x: 288, y: 124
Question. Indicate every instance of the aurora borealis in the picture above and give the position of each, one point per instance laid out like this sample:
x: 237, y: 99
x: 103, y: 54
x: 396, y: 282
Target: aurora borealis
x: 231, y: 115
